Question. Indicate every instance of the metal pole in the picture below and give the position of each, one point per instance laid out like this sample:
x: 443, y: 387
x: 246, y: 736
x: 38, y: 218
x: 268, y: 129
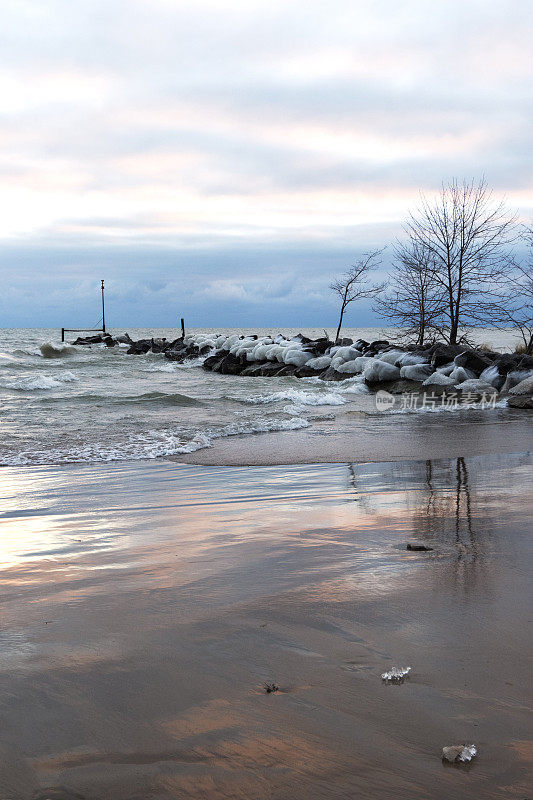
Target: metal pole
x: 103, y: 308
x: 182, y: 327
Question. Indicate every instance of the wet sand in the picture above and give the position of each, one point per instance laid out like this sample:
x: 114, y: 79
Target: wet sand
x: 145, y: 604
x: 356, y: 438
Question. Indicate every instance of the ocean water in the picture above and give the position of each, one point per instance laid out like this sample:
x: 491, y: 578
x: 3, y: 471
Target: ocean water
x: 66, y: 404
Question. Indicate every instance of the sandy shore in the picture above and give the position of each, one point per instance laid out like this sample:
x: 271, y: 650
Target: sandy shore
x: 145, y: 604
x: 357, y: 438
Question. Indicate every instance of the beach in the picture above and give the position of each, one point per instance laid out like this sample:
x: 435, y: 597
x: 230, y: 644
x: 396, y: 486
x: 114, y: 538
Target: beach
x: 146, y: 604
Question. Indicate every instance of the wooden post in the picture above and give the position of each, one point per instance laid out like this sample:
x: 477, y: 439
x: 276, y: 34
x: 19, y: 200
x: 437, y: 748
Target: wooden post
x: 103, y: 308
x: 62, y: 334
x: 182, y: 327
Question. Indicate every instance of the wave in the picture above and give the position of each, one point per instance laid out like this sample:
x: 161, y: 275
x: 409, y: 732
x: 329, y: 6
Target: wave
x: 148, y: 445
x: 49, y: 350
x: 297, y: 396
x: 39, y: 382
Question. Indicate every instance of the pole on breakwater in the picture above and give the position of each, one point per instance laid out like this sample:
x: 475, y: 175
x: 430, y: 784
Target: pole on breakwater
x: 183, y: 327
x: 103, y: 308
x: 89, y: 330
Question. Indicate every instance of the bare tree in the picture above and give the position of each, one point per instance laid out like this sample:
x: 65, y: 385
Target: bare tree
x: 515, y: 309
x: 468, y: 238
x: 415, y: 301
x: 354, y: 284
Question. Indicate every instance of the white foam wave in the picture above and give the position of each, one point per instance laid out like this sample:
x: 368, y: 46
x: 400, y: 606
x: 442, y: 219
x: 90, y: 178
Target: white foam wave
x: 149, y: 445
x: 39, y: 382
x: 299, y: 397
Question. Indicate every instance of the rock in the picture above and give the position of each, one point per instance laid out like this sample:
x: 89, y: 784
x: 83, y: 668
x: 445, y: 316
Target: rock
x: 524, y: 387
x: 478, y: 386
x: 460, y: 374
x: 89, y: 339
x: 507, y: 362
x: 378, y: 371
x: 416, y: 372
x: 514, y: 378
x: 473, y: 360
x: 322, y: 362
x: 361, y: 345
x: 319, y: 346
x: 331, y: 374
x: 411, y: 359
x: 520, y: 401
x: 124, y: 339
x: 296, y: 357
x: 458, y: 753
x: 344, y: 342
x: 443, y: 353
x: 140, y: 347
x: 349, y: 368
x: 404, y: 386
x: 396, y: 674
x: 491, y: 375
x: 438, y: 379
x: 390, y: 356
x: 417, y: 547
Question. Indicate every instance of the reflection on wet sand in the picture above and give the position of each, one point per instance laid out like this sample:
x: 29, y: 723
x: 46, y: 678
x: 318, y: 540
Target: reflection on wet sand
x: 144, y: 609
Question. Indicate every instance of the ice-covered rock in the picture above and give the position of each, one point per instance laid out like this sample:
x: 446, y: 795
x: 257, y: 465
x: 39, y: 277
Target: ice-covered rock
x: 476, y: 385
x: 395, y: 674
x: 349, y: 367
x: 347, y: 353
x: 439, y: 379
x: 361, y: 363
x: 416, y: 372
x: 377, y: 371
x: 461, y: 374
x: 296, y: 357
x: 524, y: 387
x: 492, y: 375
x: 515, y: 378
x: 391, y: 356
x: 459, y: 753
x: 446, y: 369
x: 322, y: 362
x: 411, y: 359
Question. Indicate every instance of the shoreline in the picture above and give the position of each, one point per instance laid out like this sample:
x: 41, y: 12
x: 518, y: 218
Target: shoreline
x: 411, y: 440
x: 148, y: 603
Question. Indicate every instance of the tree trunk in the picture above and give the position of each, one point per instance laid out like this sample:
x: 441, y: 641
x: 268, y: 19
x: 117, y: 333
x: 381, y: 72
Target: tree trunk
x: 340, y: 325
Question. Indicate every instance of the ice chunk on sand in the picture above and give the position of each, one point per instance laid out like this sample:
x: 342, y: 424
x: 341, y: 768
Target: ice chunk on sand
x: 396, y: 674
x: 459, y: 752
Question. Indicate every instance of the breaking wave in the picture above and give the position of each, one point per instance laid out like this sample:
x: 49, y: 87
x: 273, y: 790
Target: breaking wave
x: 49, y: 350
x: 297, y: 396
x: 148, y: 445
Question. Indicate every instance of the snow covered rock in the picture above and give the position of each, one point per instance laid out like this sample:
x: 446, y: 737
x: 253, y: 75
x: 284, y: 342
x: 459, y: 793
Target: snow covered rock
x: 322, y: 362
x: 416, y: 372
x: 439, y: 379
x: 461, y: 374
x: 377, y: 371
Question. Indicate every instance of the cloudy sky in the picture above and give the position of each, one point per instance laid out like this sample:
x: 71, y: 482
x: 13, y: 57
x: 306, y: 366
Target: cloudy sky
x: 223, y: 159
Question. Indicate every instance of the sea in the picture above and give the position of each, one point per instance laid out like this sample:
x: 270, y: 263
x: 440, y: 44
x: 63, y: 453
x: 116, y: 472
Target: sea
x: 62, y: 403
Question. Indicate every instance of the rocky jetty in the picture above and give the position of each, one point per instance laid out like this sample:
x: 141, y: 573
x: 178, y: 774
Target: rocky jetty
x: 437, y: 369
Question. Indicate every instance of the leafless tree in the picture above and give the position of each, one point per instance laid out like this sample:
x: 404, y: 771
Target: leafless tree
x: 468, y: 238
x: 354, y: 284
x: 515, y: 309
x: 414, y: 301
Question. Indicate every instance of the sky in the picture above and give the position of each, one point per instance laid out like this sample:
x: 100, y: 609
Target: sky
x: 224, y: 160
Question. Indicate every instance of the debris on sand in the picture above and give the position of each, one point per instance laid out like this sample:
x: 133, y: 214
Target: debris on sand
x: 396, y: 674
x: 417, y: 547
x: 271, y: 687
x: 457, y: 753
